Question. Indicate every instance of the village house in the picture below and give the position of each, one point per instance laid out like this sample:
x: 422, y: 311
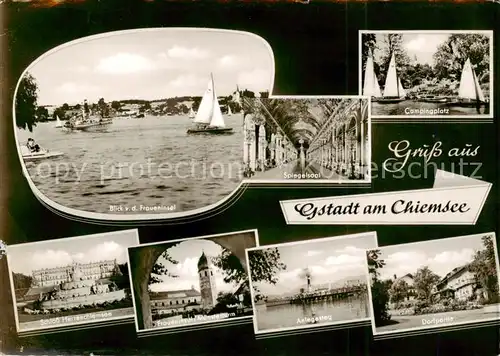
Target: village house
x: 459, y: 284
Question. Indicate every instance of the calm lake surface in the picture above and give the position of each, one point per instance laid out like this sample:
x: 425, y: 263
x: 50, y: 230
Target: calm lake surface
x: 287, y: 316
x: 150, y: 162
x: 408, y: 107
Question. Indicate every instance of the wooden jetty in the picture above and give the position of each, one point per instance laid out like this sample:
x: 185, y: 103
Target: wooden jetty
x: 319, y: 296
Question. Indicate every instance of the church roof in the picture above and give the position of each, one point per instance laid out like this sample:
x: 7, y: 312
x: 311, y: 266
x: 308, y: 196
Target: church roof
x: 174, y: 294
x: 203, y: 261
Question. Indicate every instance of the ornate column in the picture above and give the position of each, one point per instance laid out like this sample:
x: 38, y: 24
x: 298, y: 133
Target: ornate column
x: 302, y: 156
x: 272, y: 148
x: 262, y: 148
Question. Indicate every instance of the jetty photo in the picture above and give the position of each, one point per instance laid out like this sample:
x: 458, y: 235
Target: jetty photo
x: 434, y: 284
x: 310, y: 283
x: 73, y: 281
x: 201, y: 280
x: 306, y: 139
x: 427, y: 74
x: 139, y: 122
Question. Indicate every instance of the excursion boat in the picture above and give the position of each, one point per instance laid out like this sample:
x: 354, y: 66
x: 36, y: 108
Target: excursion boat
x: 59, y: 123
x: 209, y: 119
x: 371, y: 86
x: 393, y: 89
x: 470, y: 93
x: 192, y: 114
x: 28, y: 155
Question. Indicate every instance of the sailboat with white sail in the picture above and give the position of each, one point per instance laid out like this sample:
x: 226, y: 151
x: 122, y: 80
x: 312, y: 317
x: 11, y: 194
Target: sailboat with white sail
x: 393, y: 89
x: 229, y: 112
x: 191, y: 113
x: 371, y: 86
x: 59, y: 123
x: 469, y: 91
x: 209, y: 119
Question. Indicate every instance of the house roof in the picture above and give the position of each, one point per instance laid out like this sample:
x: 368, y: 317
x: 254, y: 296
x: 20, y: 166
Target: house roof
x: 453, y: 273
x: 174, y: 294
x: 402, y: 277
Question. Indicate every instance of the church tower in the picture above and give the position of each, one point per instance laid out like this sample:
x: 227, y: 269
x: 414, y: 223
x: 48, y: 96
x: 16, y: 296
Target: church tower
x: 207, y: 283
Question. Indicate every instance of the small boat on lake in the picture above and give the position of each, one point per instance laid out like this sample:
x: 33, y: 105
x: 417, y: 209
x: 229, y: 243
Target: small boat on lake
x: 192, y: 114
x: 29, y: 155
x: 432, y: 99
x: 229, y: 112
x: 59, y: 123
x: 209, y: 119
x: 470, y: 93
x: 393, y: 89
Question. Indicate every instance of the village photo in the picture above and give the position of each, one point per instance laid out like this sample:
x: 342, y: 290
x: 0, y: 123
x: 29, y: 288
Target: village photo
x: 427, y: 74
x: 307, y: 139
x: 78, y: 280
x: 139, y: 122
x: 310, y: 283
x: 193, y: 281
x: 434, y: 284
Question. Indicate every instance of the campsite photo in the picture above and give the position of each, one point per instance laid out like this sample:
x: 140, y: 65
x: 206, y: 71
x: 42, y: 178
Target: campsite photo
x: 427, y: 74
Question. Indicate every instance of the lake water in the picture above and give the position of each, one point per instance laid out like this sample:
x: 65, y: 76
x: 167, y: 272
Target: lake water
x: 289, y: 315
x: 150, y: 162
x: 410, y: 108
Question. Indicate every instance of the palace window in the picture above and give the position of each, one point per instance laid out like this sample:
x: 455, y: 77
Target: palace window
x: 171, y: 302
x: 176, y: 302
x: 183, y: 301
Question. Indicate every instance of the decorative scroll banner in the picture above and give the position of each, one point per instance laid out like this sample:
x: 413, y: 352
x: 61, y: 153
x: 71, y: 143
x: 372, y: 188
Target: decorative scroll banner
x: 453, y: 200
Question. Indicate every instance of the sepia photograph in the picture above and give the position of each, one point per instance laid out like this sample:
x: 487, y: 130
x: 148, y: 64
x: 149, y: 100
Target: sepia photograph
x: 310, y: 283
x: 307, y: 139
x: 72, y: 281
x: 427, y: 74
x: 136, y: 123
x: 193, y: 281
x: 434, y: 284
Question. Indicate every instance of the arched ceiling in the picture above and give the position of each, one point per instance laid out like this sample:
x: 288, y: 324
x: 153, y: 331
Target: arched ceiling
x: 300, y: 119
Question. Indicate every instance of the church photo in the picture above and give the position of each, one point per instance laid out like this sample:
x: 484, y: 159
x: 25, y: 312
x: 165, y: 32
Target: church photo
x: 201, y: 280
x: 73, y: 281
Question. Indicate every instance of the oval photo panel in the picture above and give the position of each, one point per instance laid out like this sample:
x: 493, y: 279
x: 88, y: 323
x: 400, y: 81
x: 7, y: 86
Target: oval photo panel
x: 140, y: 124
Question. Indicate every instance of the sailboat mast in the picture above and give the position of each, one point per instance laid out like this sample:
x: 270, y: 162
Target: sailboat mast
x: 213, y: 86
x: 397, y: 75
